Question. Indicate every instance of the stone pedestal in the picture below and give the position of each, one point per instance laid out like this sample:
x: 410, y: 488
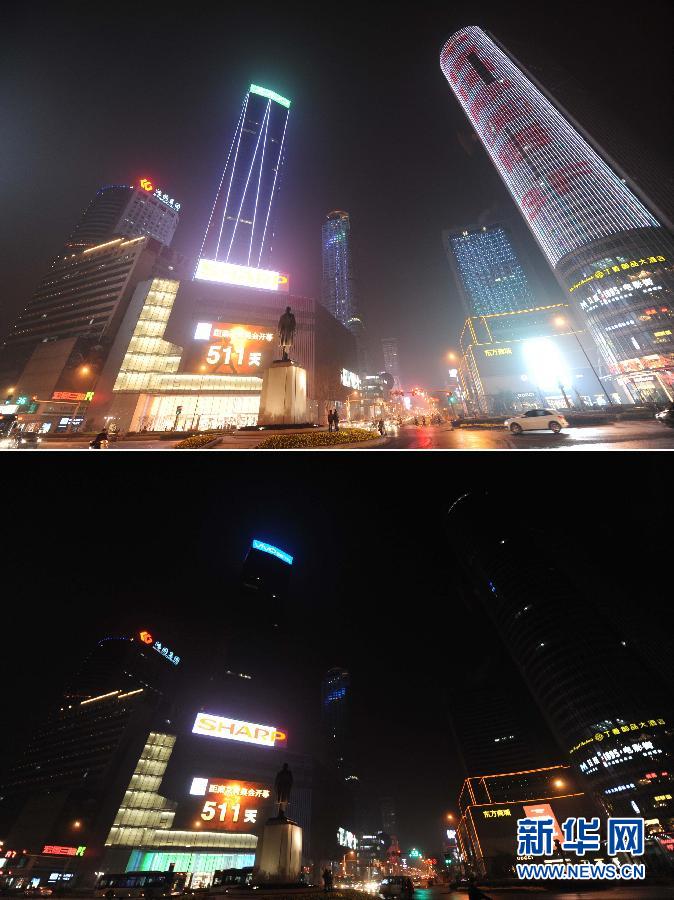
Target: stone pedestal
x: 284, y: 395
x: 278, y: 859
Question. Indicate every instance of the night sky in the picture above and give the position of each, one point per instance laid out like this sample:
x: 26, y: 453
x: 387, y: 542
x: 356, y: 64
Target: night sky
x: 90, y: 552
x: 93, y: 95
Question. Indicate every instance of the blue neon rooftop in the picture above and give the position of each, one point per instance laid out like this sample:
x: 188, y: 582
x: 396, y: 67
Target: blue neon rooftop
x: 274, y: 551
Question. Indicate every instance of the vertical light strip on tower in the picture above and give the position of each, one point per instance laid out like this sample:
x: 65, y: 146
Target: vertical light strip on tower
x: 235, y: 234
x: 568, y: 194
x: 276, y: 171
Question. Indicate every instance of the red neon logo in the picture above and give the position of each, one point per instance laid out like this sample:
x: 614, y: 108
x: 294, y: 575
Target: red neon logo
x: 145, y: 637
x: 146, y: 184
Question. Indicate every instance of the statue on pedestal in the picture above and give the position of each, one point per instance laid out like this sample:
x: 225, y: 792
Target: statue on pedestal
x: 283, y: 784
x: 286, y: 332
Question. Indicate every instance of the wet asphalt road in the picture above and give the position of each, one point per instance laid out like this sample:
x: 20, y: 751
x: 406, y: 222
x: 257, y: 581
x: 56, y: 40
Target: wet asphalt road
x: 641, y: 435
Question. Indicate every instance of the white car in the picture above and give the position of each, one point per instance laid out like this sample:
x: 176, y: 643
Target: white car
x: 537, y: 420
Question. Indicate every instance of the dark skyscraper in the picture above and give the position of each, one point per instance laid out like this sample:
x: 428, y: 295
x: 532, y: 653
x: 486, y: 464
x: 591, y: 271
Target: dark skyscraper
x: 240, y: 229
x: 487, y: 270
x: 336, y: 713
x: 608, y: 250
x: 606, y: 707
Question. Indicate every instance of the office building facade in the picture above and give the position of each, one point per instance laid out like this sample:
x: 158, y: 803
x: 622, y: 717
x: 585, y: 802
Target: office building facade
x: 487, y: 271
x: 616, y: 732
x: 490, y: 807
x: 155, y: 772
x: 240, y: 228
x: 512, y: 362
x: 610, y: 253
x: 192, y: 355
x: 83, y: 297
x: 389, y: 348
x: 121, y: 210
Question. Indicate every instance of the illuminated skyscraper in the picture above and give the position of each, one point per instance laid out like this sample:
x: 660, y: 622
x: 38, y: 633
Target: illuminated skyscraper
x: 488, y: 273
x: 240, y: 229
x: 389, y: 348
x: 338, y: 287
x: 121, y: 210
x: 607, y: 249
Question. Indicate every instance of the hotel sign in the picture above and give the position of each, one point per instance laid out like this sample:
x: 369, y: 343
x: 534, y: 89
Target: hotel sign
x: 238, y: 730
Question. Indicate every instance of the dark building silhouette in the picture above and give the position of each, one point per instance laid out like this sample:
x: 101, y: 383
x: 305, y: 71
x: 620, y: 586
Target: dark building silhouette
x: 603, y: 702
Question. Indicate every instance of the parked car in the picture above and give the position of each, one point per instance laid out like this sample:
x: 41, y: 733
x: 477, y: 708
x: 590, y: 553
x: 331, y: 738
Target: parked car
x: 396, y: 886
x: 537, y: 420
x: 666, y: 416
x: 28, y: 440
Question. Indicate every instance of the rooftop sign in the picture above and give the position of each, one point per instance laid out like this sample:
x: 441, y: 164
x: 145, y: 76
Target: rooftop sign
x: 274, y: 551
x: 245, y: 276
x: 264, y: 92
x: 237, y: 730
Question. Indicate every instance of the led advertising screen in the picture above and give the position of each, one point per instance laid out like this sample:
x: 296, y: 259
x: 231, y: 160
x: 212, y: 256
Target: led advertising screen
x: 224, y: 804
x: 244, y: 276
x: 229, y: 348
x: 238, y: 730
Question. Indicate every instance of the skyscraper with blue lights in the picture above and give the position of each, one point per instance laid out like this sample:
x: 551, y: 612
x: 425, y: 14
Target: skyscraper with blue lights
x: 338, y: 286
x: 336, y: 690
x: 488, y: 272
x: 240, y: 229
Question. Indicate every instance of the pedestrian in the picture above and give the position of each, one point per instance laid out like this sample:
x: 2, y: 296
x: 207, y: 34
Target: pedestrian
x: 382, y: 429
x: 331, y: 419
x: 100, y: 442
x: 423, y: 421
x: 416, y: 420
x: 335, y: 420
x: 327, y: 879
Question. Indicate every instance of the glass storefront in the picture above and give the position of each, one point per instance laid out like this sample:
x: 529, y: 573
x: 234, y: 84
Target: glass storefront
x: 186, y: 412
x: 200, y: 865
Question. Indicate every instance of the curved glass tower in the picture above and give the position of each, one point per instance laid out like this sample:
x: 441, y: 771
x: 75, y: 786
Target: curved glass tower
x: 609, y: 252
x: 606, y: 706
x: 240, y: 228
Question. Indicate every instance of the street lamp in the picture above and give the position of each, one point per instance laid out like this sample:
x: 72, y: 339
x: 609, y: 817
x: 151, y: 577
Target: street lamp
x: 560, y: 321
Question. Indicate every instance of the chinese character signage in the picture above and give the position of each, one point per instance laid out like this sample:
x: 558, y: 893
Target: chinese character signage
x: 228, y: 348
x: 54, y: 850
x: 73, y: 396
x: 160, y: 648
x: 224, y: 804
x: 145, y: 184
x: 237, y: 730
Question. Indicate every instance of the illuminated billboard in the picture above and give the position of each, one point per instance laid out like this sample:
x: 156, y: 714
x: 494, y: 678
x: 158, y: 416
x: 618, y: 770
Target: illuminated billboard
x: 495, y: 825
x: 237, y: 730
x: 244, y: 276
x: 224, y: 804
x: 229, y: 348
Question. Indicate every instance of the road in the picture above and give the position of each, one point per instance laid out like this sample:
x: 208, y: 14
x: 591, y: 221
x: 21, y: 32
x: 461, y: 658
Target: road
x: 642, y: 435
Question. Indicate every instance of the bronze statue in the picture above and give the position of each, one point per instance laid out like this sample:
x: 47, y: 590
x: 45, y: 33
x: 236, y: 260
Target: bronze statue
x: 283, y: 784
x: 286, y: 332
